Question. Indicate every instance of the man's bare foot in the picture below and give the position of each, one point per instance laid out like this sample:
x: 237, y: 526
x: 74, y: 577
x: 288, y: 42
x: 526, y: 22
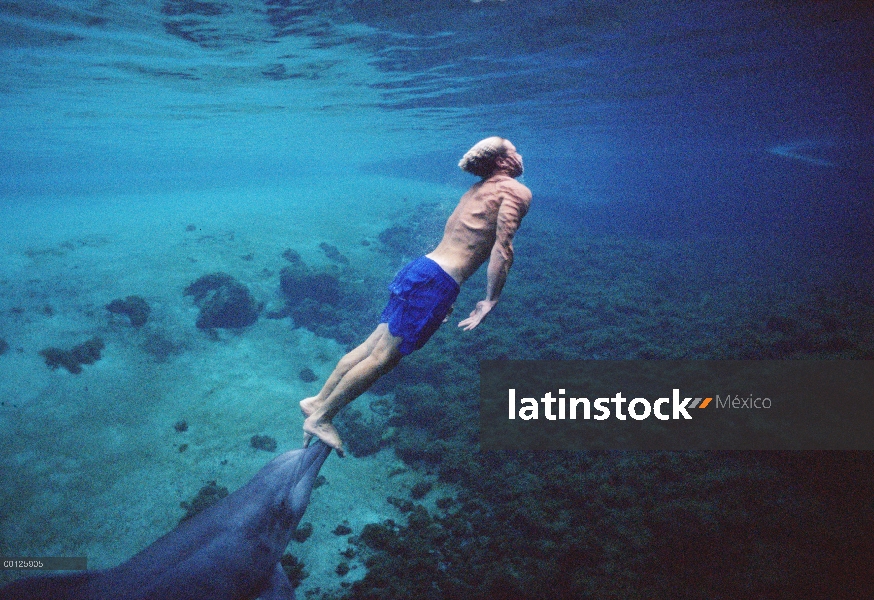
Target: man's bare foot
x: 308, y: 406
x: 325, y: 431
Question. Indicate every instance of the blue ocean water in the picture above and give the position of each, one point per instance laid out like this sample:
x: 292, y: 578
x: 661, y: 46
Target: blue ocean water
x: 703, y: 175
x: 748, y: 121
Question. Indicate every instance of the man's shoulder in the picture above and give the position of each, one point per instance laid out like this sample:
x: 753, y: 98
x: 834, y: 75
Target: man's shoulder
x: 505, y: 195
x: 516, y: 190
x: 515, y: 200
x: 523, y: 190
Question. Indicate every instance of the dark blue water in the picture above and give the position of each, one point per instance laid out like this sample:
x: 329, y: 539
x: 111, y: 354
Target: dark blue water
x: 703, y: 176
x: 666, y: 116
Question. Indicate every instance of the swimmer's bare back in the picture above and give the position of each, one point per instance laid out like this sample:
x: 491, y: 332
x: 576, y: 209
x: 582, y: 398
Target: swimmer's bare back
x: 482, y: 227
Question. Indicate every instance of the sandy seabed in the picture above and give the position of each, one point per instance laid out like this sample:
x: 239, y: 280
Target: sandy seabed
x: 91, y: 463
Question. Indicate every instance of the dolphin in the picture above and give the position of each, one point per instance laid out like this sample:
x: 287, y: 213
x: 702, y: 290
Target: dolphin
x: 230, y: 551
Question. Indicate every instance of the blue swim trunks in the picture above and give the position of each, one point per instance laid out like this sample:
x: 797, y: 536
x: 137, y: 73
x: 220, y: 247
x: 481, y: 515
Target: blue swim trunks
x: 421, y: 296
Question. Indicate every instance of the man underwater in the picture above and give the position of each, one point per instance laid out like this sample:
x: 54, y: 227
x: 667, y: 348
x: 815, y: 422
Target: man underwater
x: 423, y: 292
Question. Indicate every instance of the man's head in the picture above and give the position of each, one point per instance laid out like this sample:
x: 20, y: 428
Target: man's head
x: 490, y: 155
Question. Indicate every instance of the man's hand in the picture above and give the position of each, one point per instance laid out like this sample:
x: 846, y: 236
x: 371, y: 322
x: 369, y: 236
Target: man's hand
x: 479, y: 313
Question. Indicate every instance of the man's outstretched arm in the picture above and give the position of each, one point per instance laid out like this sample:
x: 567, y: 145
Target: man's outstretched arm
x: 513, y: 209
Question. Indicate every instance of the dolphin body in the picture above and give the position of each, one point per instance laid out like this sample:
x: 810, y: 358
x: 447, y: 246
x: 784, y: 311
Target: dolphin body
x: 230, y: 551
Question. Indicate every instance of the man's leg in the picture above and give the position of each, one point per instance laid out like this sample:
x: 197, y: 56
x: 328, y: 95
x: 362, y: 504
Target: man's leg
x: 352, y: 358
x: 359, y: 375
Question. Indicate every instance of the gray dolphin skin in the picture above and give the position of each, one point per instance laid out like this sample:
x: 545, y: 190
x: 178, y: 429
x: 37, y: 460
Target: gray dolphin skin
x: 230, y: 551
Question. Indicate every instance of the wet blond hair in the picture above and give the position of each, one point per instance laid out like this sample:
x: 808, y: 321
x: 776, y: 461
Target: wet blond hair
x: 481, y: 159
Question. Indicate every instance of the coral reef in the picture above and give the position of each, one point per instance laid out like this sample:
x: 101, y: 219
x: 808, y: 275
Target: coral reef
x: 298, y: 286
x: 224, y: 302
x: 4, y: 346
x: 420, y: 490
x: 402, y: 505
x: 263, y: 442
x: 307, y: 375
x: 417, y: 235
x: 333, y: 253
x: 604, y: 525
x: 205, y: 497
x: 135, y: 307
x: 292, y: 256
x: 86, y: 353
x: 327, y: 302
x: 293, y: 569
x: 303, y: 532
x: 823, y: 325
x: 160, y: 346
x: 362, y: 436
x: 398, y: 239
